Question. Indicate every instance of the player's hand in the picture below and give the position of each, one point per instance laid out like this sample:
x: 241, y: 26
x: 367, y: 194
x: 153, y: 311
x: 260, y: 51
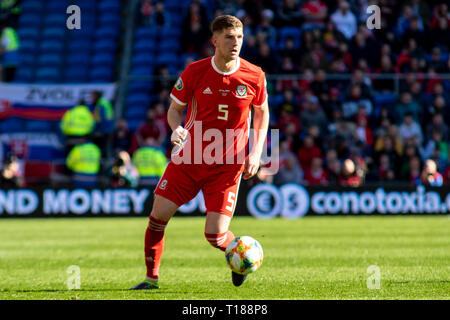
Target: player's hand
x: 178, y: 135
x: 252, y: 163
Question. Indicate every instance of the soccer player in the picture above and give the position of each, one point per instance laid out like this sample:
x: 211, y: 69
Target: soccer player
x: 218, y: 92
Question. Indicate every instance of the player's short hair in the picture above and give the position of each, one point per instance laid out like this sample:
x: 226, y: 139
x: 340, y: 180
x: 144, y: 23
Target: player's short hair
x: 224, y: 22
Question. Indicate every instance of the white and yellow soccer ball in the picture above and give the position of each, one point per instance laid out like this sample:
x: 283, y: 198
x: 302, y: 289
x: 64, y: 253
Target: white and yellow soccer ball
x: 244, y: 255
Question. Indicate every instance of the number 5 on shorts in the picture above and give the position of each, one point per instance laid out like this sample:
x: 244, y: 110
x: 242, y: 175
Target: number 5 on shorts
x: 231, y: 198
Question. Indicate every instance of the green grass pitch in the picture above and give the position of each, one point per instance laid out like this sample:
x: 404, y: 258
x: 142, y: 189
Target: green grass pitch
x: 309, y: 258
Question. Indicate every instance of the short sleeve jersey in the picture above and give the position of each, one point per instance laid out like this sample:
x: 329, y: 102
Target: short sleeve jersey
x: 220, y: 102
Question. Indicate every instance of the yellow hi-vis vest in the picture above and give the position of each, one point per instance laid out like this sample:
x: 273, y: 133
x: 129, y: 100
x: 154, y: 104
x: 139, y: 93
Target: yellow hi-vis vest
x: 150, y: 162
x: 108, y: 112
x: 84, y: 158
x: 77, y: 121
x: 9, y: 39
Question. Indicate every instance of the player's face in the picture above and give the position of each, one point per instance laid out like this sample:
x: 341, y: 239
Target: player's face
x: 229, y: 43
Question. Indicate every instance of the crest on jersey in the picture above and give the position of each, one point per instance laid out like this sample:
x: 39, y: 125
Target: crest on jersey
x: 241, y: 90
x: 179, y: 84
x: 163, y: 184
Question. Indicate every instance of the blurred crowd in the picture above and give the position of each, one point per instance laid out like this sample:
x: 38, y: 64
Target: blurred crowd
x: 9, y: 42
x: 99, y: 154
x: 333, y: 130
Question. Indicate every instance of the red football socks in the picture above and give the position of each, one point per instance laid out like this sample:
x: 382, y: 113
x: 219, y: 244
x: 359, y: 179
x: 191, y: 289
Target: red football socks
x: 154, y: 246
x: 220, y: 240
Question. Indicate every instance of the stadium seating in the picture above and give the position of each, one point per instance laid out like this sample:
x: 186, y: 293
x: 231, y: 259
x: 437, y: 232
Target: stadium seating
x: 275, y: 99
x: 109, y: 19
x: 169, y: 45
x: 105, y: 45
x: 84, y: 33
x: 144, y: 46
x: 24, y: 74
x: 48, y: 75
x: 31, y: 6
x: 169, y: 33
x: 143, y: 59
x: 107, y: 32
x: 28, y: 46
x: 109, y: 6
x: 27, y: 59
x: 173, y: 6
x: 146, y: 33
x: 184, y: 56
x: 103, y: 60
x: 78, y: 59
x: 55, y: 20
x: 153, y: 47
x: 30, y: 20
x: 56, y: 34
x: 89, y: 7
x: 139, y: 99
x: 27, y: 33
x: 141, y: 71
x: 167, y: 59
x: 136, y: 112
x: 57, y: 7
x: 101, y: 74
x: 384, y: 100
x: 79, y: 47
x: 140, y: 86
x: 133, y: 124
x: 50, y: 46
x: 46, y: 42
x: 289, y: 32
x: 76, y: 74
x: 50, y: 60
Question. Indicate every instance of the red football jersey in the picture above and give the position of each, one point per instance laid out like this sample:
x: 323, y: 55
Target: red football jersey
x: 218, y: 103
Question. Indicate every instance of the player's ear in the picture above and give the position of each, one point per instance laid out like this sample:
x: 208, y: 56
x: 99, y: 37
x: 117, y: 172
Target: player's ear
x: 215, y: 37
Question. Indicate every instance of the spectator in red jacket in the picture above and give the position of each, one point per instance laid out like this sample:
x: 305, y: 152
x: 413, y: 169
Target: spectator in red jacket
x: 446, y: 175
x: 314, y: 12
x: 316, y: 175
x: 308, y: 152
x: 287, y: 118
x: 148, y: 132
x: 364, y: 133
x: 161, y: 119
x: 439, y: 12
x: 146, y: 11
x: 385, y: 171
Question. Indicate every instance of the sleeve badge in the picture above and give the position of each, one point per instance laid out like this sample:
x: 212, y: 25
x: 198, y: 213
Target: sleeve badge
x: 179, y: 84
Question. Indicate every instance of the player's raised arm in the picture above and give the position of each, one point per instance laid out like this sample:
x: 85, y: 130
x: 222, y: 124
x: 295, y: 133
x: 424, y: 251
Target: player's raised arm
x: 260, y: 127
x: 175, y: 118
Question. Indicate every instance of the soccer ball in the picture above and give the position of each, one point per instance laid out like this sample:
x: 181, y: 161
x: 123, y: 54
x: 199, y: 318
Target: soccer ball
x: 244, y: 255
